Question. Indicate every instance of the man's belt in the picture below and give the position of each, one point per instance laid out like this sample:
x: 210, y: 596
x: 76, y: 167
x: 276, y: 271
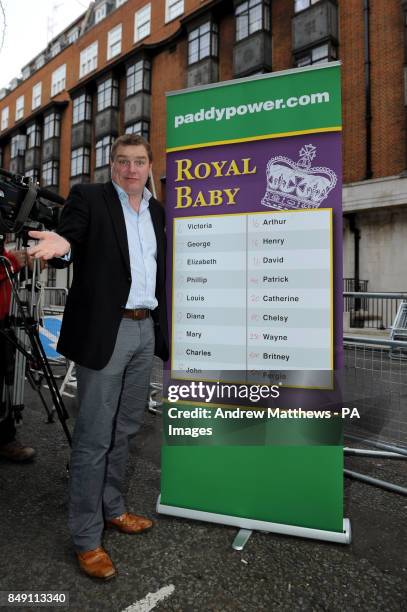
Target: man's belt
x: 137, y: 314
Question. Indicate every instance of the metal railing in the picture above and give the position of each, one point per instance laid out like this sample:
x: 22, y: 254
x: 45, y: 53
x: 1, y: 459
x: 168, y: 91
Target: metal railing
x: 372, y: 310
x: 375, y: 382
x: 350, y: 284
x: 54, y: 296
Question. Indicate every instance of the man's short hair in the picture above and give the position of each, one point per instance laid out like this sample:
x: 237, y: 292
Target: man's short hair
x: 131, y: 140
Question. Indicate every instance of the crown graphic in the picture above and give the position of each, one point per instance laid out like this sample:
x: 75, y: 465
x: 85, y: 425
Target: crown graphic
x: 296, y: 185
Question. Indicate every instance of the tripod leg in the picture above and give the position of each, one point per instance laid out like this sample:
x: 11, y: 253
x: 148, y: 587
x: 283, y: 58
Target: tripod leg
x: 37, y: 386
x: 53, y: 387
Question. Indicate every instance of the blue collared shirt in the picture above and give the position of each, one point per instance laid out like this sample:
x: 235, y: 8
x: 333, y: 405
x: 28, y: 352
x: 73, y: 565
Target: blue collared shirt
x: 142, y: 250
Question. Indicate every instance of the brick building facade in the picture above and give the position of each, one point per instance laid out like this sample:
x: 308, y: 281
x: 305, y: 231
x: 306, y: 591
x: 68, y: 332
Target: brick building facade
x: 108, y: 72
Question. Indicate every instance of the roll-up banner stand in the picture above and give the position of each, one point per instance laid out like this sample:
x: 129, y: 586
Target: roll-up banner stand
x: 252, y: 408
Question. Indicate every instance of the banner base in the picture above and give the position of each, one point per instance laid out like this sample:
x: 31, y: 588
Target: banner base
x: 254, y: 525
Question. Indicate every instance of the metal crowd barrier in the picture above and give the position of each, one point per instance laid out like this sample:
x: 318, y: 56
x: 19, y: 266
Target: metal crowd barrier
x: 375, y: 382
x: 53, y: 299
x: 372, y: 310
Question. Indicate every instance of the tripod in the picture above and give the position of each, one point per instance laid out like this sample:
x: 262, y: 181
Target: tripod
x: 22, y: 325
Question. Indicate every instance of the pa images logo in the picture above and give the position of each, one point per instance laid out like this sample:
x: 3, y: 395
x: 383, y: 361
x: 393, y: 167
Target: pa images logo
x: 297, y: 185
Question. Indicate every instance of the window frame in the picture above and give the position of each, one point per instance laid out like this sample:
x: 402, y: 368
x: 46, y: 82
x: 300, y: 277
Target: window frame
x: 137, y: 27
x: 107, y: 94
x: 331, y: 55
x: 88, y: 64
x: 72, y: 35
x: 80, y: 161
x: 5, y: 117
x: 58, y: 80
x: 169, y: 5
x: 212, y: 32
x: 53, y: 169
x: 100, y: 12
x: 131, y: 87
x: 102, y: 150
x: 56, y: 48
x: 81, y: 108
x: 309, y: 3
x: 33, y: 131
x: 17, y: 145
x: 35, y: 95
x: 52, y: 126
x: 39, y: 61
x: 19, y: 108
x: 245, y: 29
x: 144, y: 131
x: 110, y: 44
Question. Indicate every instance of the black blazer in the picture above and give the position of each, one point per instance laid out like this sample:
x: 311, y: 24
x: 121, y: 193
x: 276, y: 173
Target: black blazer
x: 93, y: 222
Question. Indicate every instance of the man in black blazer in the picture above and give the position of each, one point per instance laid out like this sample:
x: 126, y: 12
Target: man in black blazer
x: 114, y: 322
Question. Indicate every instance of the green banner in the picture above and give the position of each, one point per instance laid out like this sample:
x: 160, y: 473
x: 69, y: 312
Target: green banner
x: 254, y: 227
x: 291, y: 103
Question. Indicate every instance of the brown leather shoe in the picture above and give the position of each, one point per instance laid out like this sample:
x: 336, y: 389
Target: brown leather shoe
x: 96, y: 563
x: 17, y: 452
x: 130, y: 523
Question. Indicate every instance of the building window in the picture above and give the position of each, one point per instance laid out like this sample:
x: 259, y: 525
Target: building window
x: 138, y: 77
x: 80, y: 161
x: 40, y: 61
x: 301, y: 5
x: 52, y: 125
x: 50, y: 173
x: 173, y: 8
x: 58, y: 80
x: 108, y: 94
x: 103, y: 147
x: 142, y: 23
x: 51, y: 277
x: 36, y: 96
x: 4, y: 118
x: 25, y: 73
x: 140, y: 127
x: 81, y: 108
x: 33, y: 135
x: 119, y: 3
x: 17, y: 145
x: 322, y: 53
x: 19, y: 108
x: 88, y: 59
x: 56, y: 48
x: 73, y: 35
x: 114, y: 42
x: 252, y: 16
x: 100, y: 13
x: 33, y: 175
x: 202, y: 42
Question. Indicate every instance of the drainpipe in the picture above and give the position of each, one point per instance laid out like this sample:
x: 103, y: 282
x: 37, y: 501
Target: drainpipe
x: 356, y: 239
x: 368, y: 92
x: 404, y: 7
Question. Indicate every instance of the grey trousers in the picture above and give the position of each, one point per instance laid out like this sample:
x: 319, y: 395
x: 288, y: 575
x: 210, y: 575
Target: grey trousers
x: 112, y: 403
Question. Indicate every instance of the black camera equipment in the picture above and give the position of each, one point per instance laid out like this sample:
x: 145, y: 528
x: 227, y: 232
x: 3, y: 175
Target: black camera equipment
x: 23, y: 207
x: 22, y: 202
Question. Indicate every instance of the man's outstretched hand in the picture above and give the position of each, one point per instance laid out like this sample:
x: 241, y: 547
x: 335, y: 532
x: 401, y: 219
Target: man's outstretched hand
x: 49, y: 245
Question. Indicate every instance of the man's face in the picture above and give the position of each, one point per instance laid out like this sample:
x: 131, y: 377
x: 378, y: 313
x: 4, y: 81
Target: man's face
x: 130, y: 168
